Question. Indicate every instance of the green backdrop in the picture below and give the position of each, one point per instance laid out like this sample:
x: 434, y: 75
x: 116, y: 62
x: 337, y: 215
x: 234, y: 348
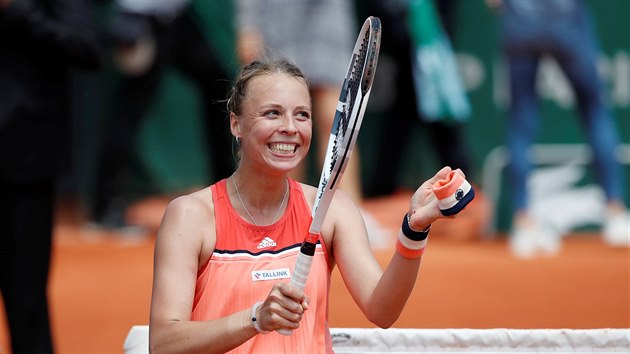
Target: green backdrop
x: 170, y: 145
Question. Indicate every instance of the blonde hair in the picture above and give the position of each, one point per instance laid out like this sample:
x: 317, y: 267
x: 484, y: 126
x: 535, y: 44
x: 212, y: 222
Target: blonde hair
x: 257, y: 68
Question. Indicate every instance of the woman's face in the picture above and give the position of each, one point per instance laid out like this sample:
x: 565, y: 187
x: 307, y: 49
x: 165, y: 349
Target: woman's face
x: 275, y: 126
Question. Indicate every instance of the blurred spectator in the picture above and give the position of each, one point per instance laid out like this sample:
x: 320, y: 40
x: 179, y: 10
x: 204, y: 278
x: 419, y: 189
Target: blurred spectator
x: 42, y: 40
x: 428, y: 96
x: 562, y: 29
x: 318, y: 36
x: 150, y: 37
x: 446, y: 134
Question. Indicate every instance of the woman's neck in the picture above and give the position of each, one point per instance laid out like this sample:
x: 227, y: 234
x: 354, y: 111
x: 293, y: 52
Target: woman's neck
x: 258, y: 198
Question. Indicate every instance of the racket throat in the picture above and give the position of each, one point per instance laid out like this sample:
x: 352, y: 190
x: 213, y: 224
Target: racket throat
x: 308, y: 246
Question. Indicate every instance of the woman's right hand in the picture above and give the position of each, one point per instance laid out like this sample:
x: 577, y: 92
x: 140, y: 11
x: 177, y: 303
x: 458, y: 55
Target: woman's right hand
x: 282, y: 309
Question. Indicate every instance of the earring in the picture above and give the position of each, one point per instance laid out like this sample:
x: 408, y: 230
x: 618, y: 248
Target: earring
x: 238, y: 140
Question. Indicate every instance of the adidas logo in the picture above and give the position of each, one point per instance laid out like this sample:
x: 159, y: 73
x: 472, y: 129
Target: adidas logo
x: 266, y: 242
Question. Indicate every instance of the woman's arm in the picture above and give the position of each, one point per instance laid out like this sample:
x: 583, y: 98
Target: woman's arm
x: 182, y: 242
x: 381, y: 295
x: 178, y: 250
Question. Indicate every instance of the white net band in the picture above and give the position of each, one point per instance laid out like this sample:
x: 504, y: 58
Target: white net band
x: 396, y: 340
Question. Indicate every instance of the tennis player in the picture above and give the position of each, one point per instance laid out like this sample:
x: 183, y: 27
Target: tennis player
x: 224, y: 254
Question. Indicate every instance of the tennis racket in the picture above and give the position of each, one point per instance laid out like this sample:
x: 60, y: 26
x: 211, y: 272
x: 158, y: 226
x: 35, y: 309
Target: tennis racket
x: 353, y: 100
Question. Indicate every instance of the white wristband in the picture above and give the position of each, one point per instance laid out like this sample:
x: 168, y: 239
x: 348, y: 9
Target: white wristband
x: 255, y: 320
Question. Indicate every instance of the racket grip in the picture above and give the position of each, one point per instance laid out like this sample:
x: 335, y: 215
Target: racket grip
x: 298, y: 279
x: 285, y: 332
x: 301, y: 270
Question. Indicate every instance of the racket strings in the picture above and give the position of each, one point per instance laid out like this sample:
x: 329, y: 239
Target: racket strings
x: 372, y: 60
x: 354, y: 83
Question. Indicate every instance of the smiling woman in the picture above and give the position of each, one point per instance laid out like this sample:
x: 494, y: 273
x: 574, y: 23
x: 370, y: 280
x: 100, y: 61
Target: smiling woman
x: 273, y: 111
x: 276, y: 122
x: 245, y: 235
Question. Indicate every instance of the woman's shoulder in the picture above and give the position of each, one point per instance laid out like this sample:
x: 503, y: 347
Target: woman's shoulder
x: 195, y: 204
x: 187, y: 227
x: 191, y: 215
x: 309, y: 191
x: 341, y: 198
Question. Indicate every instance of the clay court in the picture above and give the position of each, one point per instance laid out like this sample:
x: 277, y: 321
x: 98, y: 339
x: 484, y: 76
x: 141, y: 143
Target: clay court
x: 101, y: 285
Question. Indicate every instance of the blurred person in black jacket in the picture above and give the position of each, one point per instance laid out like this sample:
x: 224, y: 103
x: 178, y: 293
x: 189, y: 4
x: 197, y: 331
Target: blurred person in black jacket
x: 41, y: 41
x: 448, y: 138
x: 148, y: 38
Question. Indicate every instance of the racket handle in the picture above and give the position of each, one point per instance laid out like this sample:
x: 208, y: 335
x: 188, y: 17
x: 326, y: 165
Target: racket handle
x: 301, y: 270
x: 285, y: 332
x: 298, y: 279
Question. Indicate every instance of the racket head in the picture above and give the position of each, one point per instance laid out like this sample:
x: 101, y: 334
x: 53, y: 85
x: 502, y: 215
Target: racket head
x: 374, y: 47
x: 353, y: 100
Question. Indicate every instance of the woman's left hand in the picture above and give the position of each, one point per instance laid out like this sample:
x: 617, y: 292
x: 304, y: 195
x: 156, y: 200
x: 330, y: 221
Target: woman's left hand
x: 423, y: 208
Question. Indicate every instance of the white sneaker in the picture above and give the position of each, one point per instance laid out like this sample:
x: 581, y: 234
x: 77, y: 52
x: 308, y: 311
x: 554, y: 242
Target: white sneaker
x: 532, y: 241
x: 523, y: 243
x: 549, y: 241
x: 617, y: 230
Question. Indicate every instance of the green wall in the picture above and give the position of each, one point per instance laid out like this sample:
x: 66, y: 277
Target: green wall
x: 170, y: 144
